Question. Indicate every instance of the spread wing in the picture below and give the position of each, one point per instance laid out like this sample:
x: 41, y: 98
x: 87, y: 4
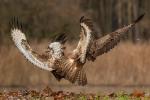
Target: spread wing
x: 86, y: 36
x: 106, y: 43
x: 20, y: 41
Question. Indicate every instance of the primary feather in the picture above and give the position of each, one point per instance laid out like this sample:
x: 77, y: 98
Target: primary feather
x: 106, y: 43
x: 20, y: 41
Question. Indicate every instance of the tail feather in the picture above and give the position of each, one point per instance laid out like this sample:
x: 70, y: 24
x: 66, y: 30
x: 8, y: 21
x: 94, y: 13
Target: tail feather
x: 71, y: 74
x: 81, y: 78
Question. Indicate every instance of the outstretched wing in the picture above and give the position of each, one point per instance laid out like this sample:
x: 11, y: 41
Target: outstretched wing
x: 106, y: 43
x: 20, y: 41
x: 86, y: 36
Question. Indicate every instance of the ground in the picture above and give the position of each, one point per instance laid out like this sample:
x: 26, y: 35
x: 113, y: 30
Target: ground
x: 48, y: 94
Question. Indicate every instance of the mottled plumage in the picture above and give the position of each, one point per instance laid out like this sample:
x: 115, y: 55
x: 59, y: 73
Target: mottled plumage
x: 70, y: 67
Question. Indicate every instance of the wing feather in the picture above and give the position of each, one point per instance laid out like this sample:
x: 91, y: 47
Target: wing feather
x: 86, y: 31
x: 106, y: 43
x: 20, y: 41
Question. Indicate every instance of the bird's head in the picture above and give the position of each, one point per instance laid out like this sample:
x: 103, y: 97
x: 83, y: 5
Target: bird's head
x: 56, y: 48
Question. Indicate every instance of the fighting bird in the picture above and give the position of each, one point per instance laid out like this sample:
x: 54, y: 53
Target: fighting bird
x: 70, y: 67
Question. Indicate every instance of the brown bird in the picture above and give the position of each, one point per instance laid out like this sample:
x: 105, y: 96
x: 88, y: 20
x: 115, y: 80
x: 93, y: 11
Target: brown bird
x: 89, y: 47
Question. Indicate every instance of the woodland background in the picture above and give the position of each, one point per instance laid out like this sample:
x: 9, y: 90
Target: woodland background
x: 127, y: 64
x: 46, y: 18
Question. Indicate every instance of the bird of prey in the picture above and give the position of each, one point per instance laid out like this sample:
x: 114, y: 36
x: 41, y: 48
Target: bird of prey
x: 70, y: 67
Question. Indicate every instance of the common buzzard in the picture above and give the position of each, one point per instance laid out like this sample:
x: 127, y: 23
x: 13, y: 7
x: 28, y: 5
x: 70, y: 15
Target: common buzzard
x: 89, y: 47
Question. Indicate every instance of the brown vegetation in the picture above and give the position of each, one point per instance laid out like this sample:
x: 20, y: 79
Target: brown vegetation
x: 126, y: 64
x: 48, y: 94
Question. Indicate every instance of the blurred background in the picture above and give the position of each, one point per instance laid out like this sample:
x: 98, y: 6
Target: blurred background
x: 128, y: 64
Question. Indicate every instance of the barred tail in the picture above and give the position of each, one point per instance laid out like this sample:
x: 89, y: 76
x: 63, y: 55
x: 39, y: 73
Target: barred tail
x: 71, y: 73
x: 81, y: 79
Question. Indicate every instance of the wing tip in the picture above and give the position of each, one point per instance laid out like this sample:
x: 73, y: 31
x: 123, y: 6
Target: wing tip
x: 15, y: 23
x: 88, y: 22
x: 62, y: 38
x: 81, y: 19
x: 139, y: 18
x: 84, y: 19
